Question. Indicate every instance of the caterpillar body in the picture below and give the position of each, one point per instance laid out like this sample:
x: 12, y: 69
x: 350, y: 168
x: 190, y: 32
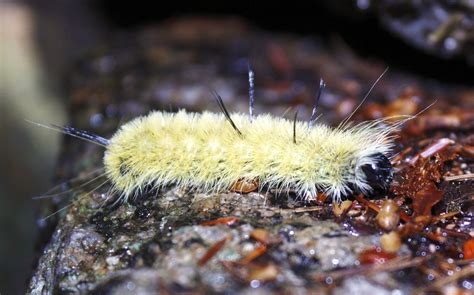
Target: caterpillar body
x: 211, y: 152
x: 204, y: 152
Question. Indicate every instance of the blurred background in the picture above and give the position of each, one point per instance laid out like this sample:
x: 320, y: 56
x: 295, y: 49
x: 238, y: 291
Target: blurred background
x: 41, y: 43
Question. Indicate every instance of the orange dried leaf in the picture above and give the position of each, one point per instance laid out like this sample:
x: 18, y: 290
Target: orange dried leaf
x: 260, y: 235
x: 367, y: 203
x: 260, y: 250
x: 424, y: 172
x: 425, y: 199
x: 469, y: 249
x: 375, y: 256
x: 223, y: 220
x: 321, y: 198
x: 245, y: 185
x: 211, y: 252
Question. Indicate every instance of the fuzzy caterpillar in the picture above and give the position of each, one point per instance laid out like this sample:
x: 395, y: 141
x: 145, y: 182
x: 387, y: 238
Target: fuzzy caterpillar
x: 205, y: 152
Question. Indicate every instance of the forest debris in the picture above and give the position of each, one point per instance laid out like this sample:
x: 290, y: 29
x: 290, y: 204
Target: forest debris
x: 425, y: 199
x: 444, y: 216
x: 454, y: 118
x: 260, y: 235
x: 423, y: 173
x: 391, y: 242
x: 264, y: 273
x: 223, y: 220
x: 469, y: 249
x: 375, y: 255
x: 398, y: 263
x: 257, y: 252
x: 252, y: 273
x: 342, y: 208
x: 360, y: 199
x: 436, y: 147
x: 303, y: 209
x: 388, y: 216
x: 459, y: 177
x: 211, y: 252
x: 445, y: 28
x: 245, y: 185
x: 439, y: 283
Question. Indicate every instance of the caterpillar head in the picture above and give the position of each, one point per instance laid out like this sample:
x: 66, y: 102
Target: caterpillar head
x: 374, y: 174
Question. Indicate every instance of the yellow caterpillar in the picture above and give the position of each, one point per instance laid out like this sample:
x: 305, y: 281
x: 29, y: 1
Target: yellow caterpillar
x: 211, y: 152
x: 203, y: 151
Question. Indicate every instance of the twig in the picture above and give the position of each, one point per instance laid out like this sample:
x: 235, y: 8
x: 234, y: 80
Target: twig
x: 459, y: 177
x: 391, y: 265
x: 466, y: 271
x: 302, y: 209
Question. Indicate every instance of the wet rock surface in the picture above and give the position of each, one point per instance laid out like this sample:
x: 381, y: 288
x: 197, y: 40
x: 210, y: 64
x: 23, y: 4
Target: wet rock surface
x: 126, y: 250
x: 181, y: 241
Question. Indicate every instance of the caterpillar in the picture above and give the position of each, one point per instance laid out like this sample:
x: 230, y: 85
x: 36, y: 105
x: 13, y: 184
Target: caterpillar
x: 210, y: 152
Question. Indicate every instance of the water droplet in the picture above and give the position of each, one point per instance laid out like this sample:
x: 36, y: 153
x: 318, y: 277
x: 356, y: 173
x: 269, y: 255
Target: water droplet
x: 96, y: 120
x: 468, y: 285
x: 130, y: 286
x: 255, y: 284
x: 450, y: 44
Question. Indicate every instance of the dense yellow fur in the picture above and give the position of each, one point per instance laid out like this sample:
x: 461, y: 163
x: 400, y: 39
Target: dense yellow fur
x: 203, y: 151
